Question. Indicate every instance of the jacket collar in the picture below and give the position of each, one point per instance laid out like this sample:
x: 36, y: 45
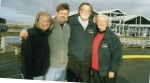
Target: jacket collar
x: 40, y: 31
x: 56, y: 22
x: 76, y: 21
x: 107, y: 33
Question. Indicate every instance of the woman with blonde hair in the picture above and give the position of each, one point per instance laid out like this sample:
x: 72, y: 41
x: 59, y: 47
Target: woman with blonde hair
x: 35, y: 51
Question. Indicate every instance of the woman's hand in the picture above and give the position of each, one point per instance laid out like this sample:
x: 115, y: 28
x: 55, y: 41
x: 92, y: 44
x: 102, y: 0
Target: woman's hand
x: 111, y: 74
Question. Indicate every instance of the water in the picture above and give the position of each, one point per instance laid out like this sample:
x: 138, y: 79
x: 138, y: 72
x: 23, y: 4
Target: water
x: 13, y: 39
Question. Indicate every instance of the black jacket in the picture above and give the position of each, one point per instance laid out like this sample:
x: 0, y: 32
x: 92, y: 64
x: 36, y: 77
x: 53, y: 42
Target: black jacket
x: 35, y: 55
x: 109, y: 53
x: 80, y: 42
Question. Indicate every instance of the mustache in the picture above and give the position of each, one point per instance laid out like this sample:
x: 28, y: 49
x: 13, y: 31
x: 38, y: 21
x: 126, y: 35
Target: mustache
x: 62, y: 17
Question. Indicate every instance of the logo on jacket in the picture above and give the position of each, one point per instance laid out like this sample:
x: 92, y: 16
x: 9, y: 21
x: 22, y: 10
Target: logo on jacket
x: 90, y: 31
x: 104, y: 45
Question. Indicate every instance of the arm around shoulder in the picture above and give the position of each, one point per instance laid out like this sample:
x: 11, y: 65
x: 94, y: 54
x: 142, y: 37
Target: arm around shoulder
x: 23, y: 33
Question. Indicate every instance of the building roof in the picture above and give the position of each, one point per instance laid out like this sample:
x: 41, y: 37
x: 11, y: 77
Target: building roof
x: 117, y: 12
x: 125, y: 18
x: 118, y: 15
x: 133, y: 19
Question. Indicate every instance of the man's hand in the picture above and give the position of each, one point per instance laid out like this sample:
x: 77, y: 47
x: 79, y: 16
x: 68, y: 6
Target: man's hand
x: 111, y: 74
x: 23, y: 34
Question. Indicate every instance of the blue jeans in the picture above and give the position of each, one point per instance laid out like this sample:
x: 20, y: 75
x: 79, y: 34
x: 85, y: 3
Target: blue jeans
x: 56, y: 74
x: 39, y: 78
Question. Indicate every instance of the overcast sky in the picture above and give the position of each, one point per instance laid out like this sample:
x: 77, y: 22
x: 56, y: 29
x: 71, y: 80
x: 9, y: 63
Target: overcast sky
x: 26, y: 10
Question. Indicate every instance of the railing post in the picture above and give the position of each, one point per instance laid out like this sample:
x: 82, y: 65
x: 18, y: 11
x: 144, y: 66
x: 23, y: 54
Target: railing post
x: 16, y: 51
x: 142, y: 44
x: 3, y: 42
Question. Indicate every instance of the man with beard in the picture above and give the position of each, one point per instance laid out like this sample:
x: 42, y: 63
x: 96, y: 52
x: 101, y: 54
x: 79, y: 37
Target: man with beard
x: 83, y: 31
x: 58, y: 43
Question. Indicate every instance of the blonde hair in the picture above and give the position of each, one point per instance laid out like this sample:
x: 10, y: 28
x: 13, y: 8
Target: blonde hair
x: 43, y: 13
x: 108, y: 20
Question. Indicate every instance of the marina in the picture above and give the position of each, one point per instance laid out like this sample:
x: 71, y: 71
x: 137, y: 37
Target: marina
x: 133, y: 31
x: 131, y: 70
x: 135, y: 63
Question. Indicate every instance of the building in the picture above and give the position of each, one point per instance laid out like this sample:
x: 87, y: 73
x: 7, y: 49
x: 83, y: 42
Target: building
x: 3, y: 26
x: 125, y: 25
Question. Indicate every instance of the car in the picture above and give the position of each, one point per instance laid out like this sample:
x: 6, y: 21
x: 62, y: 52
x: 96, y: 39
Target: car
x: 3, y: 27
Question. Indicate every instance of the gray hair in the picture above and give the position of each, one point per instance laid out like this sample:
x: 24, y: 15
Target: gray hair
x: 101, y: 15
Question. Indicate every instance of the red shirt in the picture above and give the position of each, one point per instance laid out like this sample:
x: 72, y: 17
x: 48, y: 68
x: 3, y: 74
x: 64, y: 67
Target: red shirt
x: 96, y: 43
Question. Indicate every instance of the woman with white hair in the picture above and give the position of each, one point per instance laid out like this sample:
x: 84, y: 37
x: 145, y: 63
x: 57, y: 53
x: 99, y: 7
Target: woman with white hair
x: 107, y: 52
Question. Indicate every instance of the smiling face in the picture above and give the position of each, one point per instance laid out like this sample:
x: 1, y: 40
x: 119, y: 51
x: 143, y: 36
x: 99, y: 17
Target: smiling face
x: 44, y: 22
x: 62, y: 16
x: 102, y: 22
x: 85, y: 12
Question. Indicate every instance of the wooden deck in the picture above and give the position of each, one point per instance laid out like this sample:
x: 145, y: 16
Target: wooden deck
x: 10, y: 66
x: 136, y: 51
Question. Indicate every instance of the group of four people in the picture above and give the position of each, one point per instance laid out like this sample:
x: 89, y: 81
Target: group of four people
x: 60, y: 47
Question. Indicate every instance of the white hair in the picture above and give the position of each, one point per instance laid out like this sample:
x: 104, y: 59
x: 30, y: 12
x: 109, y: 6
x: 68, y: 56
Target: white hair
x: 101, y: 15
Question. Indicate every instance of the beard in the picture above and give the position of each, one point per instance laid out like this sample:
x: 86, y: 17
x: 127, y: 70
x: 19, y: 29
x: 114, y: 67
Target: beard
x: 62, y: 20
x: 84, y: 17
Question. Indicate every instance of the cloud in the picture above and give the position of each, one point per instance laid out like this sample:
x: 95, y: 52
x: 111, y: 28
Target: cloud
x: 11, y: 14
x: 29, y: 8
x: 128, y: 6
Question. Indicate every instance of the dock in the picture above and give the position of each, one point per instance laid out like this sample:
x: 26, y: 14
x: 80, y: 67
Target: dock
x: 10, y: 65
x: 130, y: 70
x: 16, y: 46
x: 134, y: 69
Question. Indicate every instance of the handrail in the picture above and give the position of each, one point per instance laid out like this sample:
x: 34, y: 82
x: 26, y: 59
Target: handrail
x: 3, y: 39
x: 132, y: 41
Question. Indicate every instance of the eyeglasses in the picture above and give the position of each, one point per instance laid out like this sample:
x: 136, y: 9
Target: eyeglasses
x: 87, y: 11
x: 63, y: 13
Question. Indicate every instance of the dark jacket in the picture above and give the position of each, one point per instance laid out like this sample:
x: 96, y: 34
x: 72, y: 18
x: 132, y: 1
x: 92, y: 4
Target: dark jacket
x: 80, y: 42
x: 109, y: 53
x: 35, y: 54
